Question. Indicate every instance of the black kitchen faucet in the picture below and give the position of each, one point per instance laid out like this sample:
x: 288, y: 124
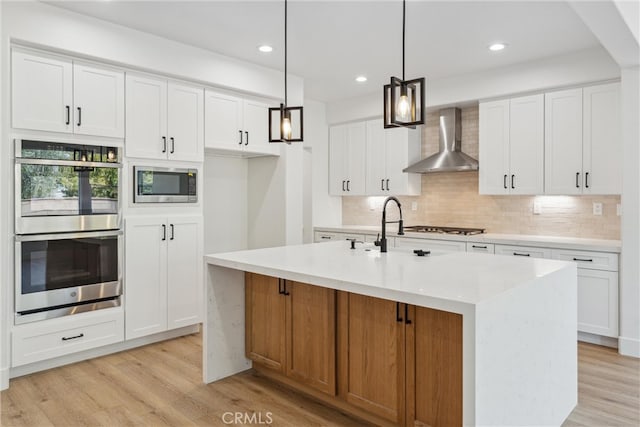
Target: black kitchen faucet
x: 383, y: 240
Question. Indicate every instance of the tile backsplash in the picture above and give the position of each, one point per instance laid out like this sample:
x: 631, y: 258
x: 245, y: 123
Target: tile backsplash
x: 452, y: 199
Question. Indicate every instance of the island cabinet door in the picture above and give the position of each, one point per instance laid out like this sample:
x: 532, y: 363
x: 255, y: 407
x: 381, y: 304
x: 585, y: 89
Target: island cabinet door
x: 434, y: 368
x: 311, y: 336
x: 265, y: 321
x: 371, y: 340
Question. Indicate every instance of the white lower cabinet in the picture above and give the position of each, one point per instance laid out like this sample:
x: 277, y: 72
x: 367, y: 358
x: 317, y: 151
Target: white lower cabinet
x: 597, y: 290
x: 47, y: 339
x: 163, y: 273
x: 323, y: 236
x: 487, y: 248
x: 429, y: 244
x: 524, y: 251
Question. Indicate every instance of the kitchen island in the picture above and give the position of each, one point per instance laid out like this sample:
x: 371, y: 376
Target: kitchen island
x: 504, y: 328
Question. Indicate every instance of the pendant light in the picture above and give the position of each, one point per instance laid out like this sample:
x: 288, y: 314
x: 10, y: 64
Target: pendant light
x: 404, y: 99
x: 285, y: 123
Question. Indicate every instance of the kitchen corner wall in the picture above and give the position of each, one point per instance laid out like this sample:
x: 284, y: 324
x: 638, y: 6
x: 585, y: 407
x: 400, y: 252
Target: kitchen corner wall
x: 452, y: 199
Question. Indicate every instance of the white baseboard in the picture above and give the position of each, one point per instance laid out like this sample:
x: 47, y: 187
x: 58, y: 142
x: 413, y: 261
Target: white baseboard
x: 97, y: 352
x: 4, y: 378
x: 629, y: 347
x: 598, y: 339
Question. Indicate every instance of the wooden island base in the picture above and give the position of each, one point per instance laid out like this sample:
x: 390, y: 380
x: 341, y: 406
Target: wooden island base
x: 386, y: 362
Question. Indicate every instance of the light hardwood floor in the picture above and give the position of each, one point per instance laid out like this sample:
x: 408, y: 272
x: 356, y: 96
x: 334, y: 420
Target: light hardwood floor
x: 160, y: 385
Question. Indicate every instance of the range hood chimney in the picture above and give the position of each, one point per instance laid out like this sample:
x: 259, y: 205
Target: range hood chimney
x: 449, y: 157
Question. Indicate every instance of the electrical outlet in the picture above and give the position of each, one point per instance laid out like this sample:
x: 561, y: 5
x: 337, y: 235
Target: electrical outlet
x: 414, y: 206
x: 618, y: 209
x: 597, y: 208
x: 537, y: 208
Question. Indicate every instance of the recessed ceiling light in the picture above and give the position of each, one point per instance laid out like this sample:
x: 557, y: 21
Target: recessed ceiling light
x: 361, y: 79
x: 265, y: 48
x: 497, y: 46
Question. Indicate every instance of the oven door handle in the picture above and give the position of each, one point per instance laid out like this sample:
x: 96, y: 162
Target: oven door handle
x: 62, y: 236
x: 73, y: 163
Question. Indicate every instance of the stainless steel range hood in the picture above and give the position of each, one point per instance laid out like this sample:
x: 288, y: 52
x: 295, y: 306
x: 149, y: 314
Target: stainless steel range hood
x: 449, y: 157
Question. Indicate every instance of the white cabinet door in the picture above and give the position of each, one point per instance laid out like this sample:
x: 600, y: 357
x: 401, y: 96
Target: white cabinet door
x: 563, y: 142
x: 185, y: 292
x: 402, y: 148
x: 337, y: 160
x: 223, y: 121
x: 356, y: 159
x: 98, y: 99
x: 185, y: 125
x: 256, y: 128
x: 145, y: 292
x: 494, y: 147
x: 376, y: 149
x: 146, y: 124
x: 526, y: 145
x: 602, y: 142
x: 598, y: 302
x: 41, y: 92
x: 523, y: 251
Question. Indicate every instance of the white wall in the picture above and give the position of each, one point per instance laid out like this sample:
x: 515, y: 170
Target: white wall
x: 225, y: 204
x: 629, y: 342
x: 572, y: 69
x: 5, y: 262
x: 326, y: 209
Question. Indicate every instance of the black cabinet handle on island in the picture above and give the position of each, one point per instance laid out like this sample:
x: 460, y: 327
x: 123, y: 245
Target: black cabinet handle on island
x: 398, y: 317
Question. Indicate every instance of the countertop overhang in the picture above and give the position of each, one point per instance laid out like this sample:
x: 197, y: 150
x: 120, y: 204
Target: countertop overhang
x: 458, y: 280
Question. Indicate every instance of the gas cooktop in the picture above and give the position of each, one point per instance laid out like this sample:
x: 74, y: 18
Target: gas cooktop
x: 447, y: 230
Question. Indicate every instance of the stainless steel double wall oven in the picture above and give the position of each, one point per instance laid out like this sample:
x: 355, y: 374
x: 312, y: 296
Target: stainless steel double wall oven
x: 68, y: 243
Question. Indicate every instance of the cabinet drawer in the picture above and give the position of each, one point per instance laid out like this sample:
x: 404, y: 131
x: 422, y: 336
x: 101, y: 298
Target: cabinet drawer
x: 70, y: 334
x: 487, y: 248
x: 321, y: 236
x: 587, y: 259
x: 524, y: 251
x: 428, y: 244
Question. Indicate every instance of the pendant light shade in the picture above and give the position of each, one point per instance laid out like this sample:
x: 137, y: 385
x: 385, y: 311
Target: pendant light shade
x: 285, y: 123
x: 404, y: 100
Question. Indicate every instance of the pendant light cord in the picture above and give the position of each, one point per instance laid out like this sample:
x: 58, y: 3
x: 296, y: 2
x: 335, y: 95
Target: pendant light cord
x: 285, y: 53
x: 404, y: 19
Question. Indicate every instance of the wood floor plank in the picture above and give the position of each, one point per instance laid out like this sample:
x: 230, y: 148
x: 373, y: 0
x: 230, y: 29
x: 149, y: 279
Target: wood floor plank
x: 161, y: 385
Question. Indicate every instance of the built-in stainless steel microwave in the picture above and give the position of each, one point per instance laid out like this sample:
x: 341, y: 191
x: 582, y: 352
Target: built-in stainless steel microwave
x: 164, y: 185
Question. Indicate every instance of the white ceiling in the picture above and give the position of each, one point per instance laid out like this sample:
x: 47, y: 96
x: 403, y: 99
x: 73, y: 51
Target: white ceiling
x: 331, y: 42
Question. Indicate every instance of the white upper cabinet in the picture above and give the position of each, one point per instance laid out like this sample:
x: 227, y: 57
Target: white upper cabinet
x: 236, y: 124
x: 185, y: 123
x: 526, y: 145
x: 146, y: 117
x: 42, y: 92
x: 494, y: 147
x: 347, y: 147
x: 583, y: 149
x: 563, y: 142
x: 388, y: 152
x: 602, y: 140
x: 164, y: 119
x: 98, y: 99
x: 512, y: 146
x: 223, y: 121
x: 54, y: 94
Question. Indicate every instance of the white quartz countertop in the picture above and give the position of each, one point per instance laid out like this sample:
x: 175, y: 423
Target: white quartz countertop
x: 448, y: 281
x: 555, y: 242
